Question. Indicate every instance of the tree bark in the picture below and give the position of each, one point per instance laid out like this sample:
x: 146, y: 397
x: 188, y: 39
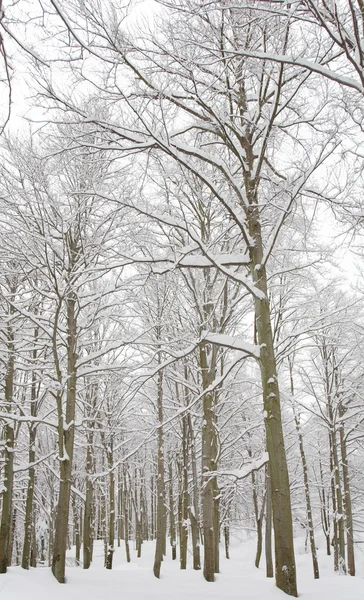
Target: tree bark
x: 172, y: 524
x: 347, y: 496
x: 268, y: 526
x: 285, y: 565
x: 7, y: 494
x: 208, y: 433
x: 111, y: 549
x: 311, y: 531
x: 194, y: 511
x: 161, y: 513
x: 66, y: 434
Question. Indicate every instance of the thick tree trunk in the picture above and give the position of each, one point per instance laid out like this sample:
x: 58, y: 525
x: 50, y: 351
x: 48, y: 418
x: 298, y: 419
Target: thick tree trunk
x: 66, y: 434
x: 208, y: 444
x: 285, y: 565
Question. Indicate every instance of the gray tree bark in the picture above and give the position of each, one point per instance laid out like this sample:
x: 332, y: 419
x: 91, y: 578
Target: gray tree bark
x: 66, y: 446
x: 161, y: 513
x: 9, y: 436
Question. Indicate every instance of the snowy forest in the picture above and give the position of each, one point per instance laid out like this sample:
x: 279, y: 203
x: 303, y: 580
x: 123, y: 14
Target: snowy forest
x: 181, y: 298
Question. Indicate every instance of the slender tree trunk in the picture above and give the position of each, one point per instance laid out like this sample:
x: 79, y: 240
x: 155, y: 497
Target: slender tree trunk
x: 121, y: 533
x: 126, y: 520
x: 184, y: 496
x: 216, y: 500
x: 12, y: 536
x: 29, y: 501
x: 311, y: 531
x: 152, y: 508
x: 194, y: 511
x: 347, y: 496
x: 161, y: 513
x: 172, y: 523
x: 335, y: 539
x: 34, y: 549
x: 259, y: 514
x: 88, y: 515
x: 339, y: 523
x: 88, y: 512
x: 328, y: 356
x: 268, y: 526
x: 7, y: 494
x: 111, y: 549
x: 77, y: 536
x: 325, y: 509
x: 31, y: 458
x: 227, y: 541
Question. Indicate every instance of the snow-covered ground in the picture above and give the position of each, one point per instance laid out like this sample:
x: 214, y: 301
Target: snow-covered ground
x: 135, y: 581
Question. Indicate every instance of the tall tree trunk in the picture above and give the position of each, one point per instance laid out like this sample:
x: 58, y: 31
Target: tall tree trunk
x: 7, y: 493
x: 268, y: 526
x: 88, y: 512
x: 325, y: 509
x: 111, y: 549
x: 227, y: 541
x: 31, y: 457
x: 66, y: 432
x: 88, y: 515
x: 216, y: 497
x: 34, y: 548
x: 126, y: 518
x: 208, y: 433
x: 347, y: 495
x: 258, y: 519
x: 29, y: 501
x: 184, y: 496
x: 285, y: 565
x: 311, y: 531
x: 172, y: 523
x: 337, y: 498
x: 194, y: 511
x: 12, y: 536
x: 161, y: 513
x: 76, y: 524
x: 121, y: 533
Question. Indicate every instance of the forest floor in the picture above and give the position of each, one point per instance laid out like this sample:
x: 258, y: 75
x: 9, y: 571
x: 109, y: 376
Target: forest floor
x: 135, y: 581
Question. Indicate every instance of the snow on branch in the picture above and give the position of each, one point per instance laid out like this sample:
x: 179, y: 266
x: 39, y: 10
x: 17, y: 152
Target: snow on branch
x: 233, y: 342
x: 305, y: 64
x: 249, y: 468
x: 198, y: 261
